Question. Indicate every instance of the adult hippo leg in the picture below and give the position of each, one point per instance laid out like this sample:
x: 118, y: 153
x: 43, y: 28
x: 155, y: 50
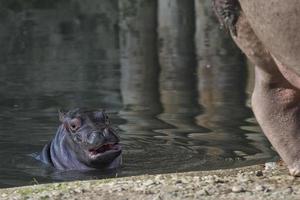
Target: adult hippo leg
x: 276, y: 96
x: 276, y: 23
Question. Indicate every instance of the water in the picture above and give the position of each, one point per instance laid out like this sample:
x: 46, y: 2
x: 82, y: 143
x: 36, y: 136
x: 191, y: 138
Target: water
x: 174, y: 84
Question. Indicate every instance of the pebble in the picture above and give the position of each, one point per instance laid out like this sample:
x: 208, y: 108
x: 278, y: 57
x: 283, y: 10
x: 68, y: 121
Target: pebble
x: 158, y: 197
x: 185, y: 181
x: 259, y: 173
x: 203, y: 193
x: 243, y: 179
x: 4, y: 195
x: 270, y: 165
x: 267, y: 190
x: 289, y: 190
x: 56, y: 193
x: 237, y: 189
x: 210, y: 179
x: 148, y: 183
x: 158, y: 177
x: 219, y: 180
x: 260, y: 188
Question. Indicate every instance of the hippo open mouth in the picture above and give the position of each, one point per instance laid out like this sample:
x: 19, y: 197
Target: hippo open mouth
x: 104, y: 149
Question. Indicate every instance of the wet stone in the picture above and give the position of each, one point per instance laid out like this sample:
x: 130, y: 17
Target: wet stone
x: 220, y: 181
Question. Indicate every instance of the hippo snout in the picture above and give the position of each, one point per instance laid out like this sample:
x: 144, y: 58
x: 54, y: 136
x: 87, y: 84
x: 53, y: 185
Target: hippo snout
x: 97, y: 138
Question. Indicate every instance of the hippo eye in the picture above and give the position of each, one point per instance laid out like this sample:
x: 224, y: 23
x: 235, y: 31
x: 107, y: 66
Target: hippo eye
x: 75, y: 124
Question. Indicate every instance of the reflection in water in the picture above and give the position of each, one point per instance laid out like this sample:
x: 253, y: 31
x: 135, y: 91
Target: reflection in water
x: 178, y: 68
x: 222, y: 79
x: 43, y: 45
x: 139, y: 83
x: 139, y: 65
x: 136, y: 58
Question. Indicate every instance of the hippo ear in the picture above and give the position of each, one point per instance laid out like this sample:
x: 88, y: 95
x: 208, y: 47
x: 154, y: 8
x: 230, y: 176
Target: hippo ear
x: 61, y: 115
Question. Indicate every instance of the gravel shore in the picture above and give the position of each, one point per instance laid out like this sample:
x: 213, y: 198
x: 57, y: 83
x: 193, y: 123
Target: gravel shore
x: 270, y: 181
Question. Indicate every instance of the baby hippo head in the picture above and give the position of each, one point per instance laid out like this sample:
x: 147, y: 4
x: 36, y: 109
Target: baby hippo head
x: 91, y: 138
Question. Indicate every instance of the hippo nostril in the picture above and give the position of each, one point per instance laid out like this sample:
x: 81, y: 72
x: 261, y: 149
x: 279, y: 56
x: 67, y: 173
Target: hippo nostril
x: 92, y: 138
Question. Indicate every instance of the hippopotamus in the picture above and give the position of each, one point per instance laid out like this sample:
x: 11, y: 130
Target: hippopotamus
x: 268, y: 33
x: 84, y: 140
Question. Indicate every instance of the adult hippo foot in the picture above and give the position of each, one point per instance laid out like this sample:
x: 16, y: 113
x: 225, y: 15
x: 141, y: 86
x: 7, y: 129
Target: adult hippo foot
x: 84, y: 140
x: 276, y: 95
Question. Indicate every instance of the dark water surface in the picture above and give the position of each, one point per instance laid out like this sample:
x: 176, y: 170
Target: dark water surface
x: 174, y: 83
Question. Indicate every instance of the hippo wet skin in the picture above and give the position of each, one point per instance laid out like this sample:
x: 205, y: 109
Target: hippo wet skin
x: 84, y: 140
x: 267, y: 31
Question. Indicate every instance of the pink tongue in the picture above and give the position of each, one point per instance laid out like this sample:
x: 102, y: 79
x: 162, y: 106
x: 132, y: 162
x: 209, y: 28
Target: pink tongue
x: 102, y: 149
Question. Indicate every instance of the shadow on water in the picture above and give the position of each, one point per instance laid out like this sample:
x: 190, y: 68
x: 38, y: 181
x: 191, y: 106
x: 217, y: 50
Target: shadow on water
x: 173, y: 81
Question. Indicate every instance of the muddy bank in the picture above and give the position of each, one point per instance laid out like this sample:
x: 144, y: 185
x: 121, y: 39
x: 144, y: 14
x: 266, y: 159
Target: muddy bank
x: 254, y: 182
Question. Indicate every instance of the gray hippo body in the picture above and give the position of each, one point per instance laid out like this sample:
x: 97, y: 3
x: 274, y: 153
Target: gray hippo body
x: 83, y: 141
